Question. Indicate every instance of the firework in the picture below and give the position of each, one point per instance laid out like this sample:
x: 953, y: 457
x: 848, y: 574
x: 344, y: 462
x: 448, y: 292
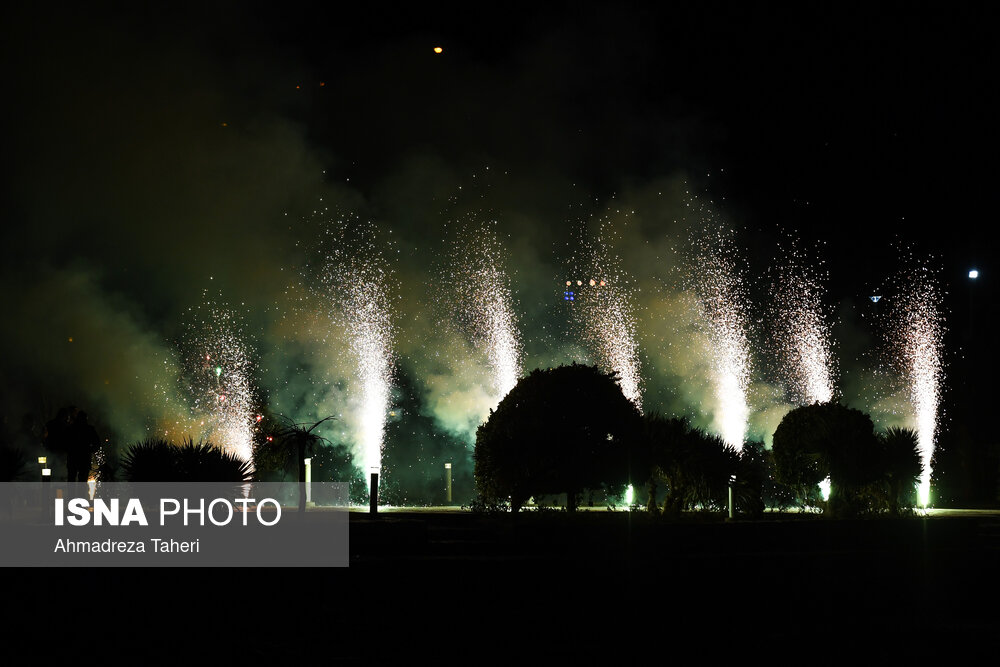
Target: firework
x: 605, y: 314
x: 917, y: 337
x: 717, y: 283
x: 219, y: 375
x: 801, y: 334
x: 481, y: 304
x: 357, y: 281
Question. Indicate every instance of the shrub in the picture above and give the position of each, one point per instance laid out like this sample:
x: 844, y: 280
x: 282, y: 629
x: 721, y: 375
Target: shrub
x: 560, y: 430
x: 158, y: 460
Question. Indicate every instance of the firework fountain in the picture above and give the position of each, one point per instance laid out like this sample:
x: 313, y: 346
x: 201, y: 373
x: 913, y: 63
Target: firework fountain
x: 801, y: 334
x: 605, y: 314
x: 717, y: 283
x: 219, y: 373
x: 357, y: 280
x: 917, y: 338
x: 481, y: 302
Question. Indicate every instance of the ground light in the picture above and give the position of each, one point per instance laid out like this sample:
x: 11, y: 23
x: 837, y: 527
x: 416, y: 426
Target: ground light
x: 924, y: 494
x: 629, y: 495
x: 824, y: 489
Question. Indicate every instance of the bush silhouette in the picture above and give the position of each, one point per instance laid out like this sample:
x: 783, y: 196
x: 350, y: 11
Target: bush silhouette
x: 158, y: 460
x: 829, y: 439
x: 560, y: 430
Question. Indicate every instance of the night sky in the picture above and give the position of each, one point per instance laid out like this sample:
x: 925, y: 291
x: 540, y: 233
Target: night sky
x: 161, y: 156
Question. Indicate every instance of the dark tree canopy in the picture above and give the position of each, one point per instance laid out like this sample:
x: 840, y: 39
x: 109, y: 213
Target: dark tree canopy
x: 559, y: 430
x: 826, y: 439
x: 900, y: 465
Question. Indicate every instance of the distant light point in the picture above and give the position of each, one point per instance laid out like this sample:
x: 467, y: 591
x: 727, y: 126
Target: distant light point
x: 973, y: 274
x: 438, y: 49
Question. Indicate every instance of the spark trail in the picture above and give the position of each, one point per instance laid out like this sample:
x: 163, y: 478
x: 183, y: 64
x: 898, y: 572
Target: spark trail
x: 357, y: 279
x: 717, y: 282
x: 219, y: 375
x: 917, y: 338
x: 480, y: 302
x: 801, y: 335
x: 604, y: 311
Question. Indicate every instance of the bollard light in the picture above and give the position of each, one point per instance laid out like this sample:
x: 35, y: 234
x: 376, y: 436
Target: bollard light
x: 308, y: 463
x: 46, y: 472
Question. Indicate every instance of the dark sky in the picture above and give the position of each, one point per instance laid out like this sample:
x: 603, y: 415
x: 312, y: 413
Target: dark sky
x: 156, y: 148
x: 851, y: 121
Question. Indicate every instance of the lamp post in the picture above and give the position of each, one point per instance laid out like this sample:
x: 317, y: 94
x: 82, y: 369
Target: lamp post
x: 973, y: 277
x: 46, y: 479
x: 308, y: 463
x: 373, y: 492
x: 447, y: 480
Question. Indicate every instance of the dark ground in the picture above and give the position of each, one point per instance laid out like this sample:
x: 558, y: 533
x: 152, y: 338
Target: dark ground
x: 461, y: 588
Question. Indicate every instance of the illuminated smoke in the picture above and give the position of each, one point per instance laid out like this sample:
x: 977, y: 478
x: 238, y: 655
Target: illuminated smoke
x: 801, y: 334
x: 357, y: 281
x: 604, y: 311
x: 480, y: 302
x: 917, y: 337
x: 721, y: 299
x: 219, y: 374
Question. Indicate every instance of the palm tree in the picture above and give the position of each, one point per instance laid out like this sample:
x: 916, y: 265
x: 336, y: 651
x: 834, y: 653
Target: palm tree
x: 204, y: 462
x: 151, y: 460
x: 301, y: 438
x: 901, y: 467
x: 158, y: 460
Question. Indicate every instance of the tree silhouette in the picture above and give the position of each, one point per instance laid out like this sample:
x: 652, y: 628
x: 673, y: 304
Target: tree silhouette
x: 828, y: 439
x: 158, y: 460
x: 559, y: 430
x: 301, y: 439
x: 900, y: 469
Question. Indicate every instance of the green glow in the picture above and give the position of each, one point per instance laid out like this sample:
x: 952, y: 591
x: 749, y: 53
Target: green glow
x: 824, y: 489
x: 924, y: 494
x: 218, y: 371
x: 629, y: 494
